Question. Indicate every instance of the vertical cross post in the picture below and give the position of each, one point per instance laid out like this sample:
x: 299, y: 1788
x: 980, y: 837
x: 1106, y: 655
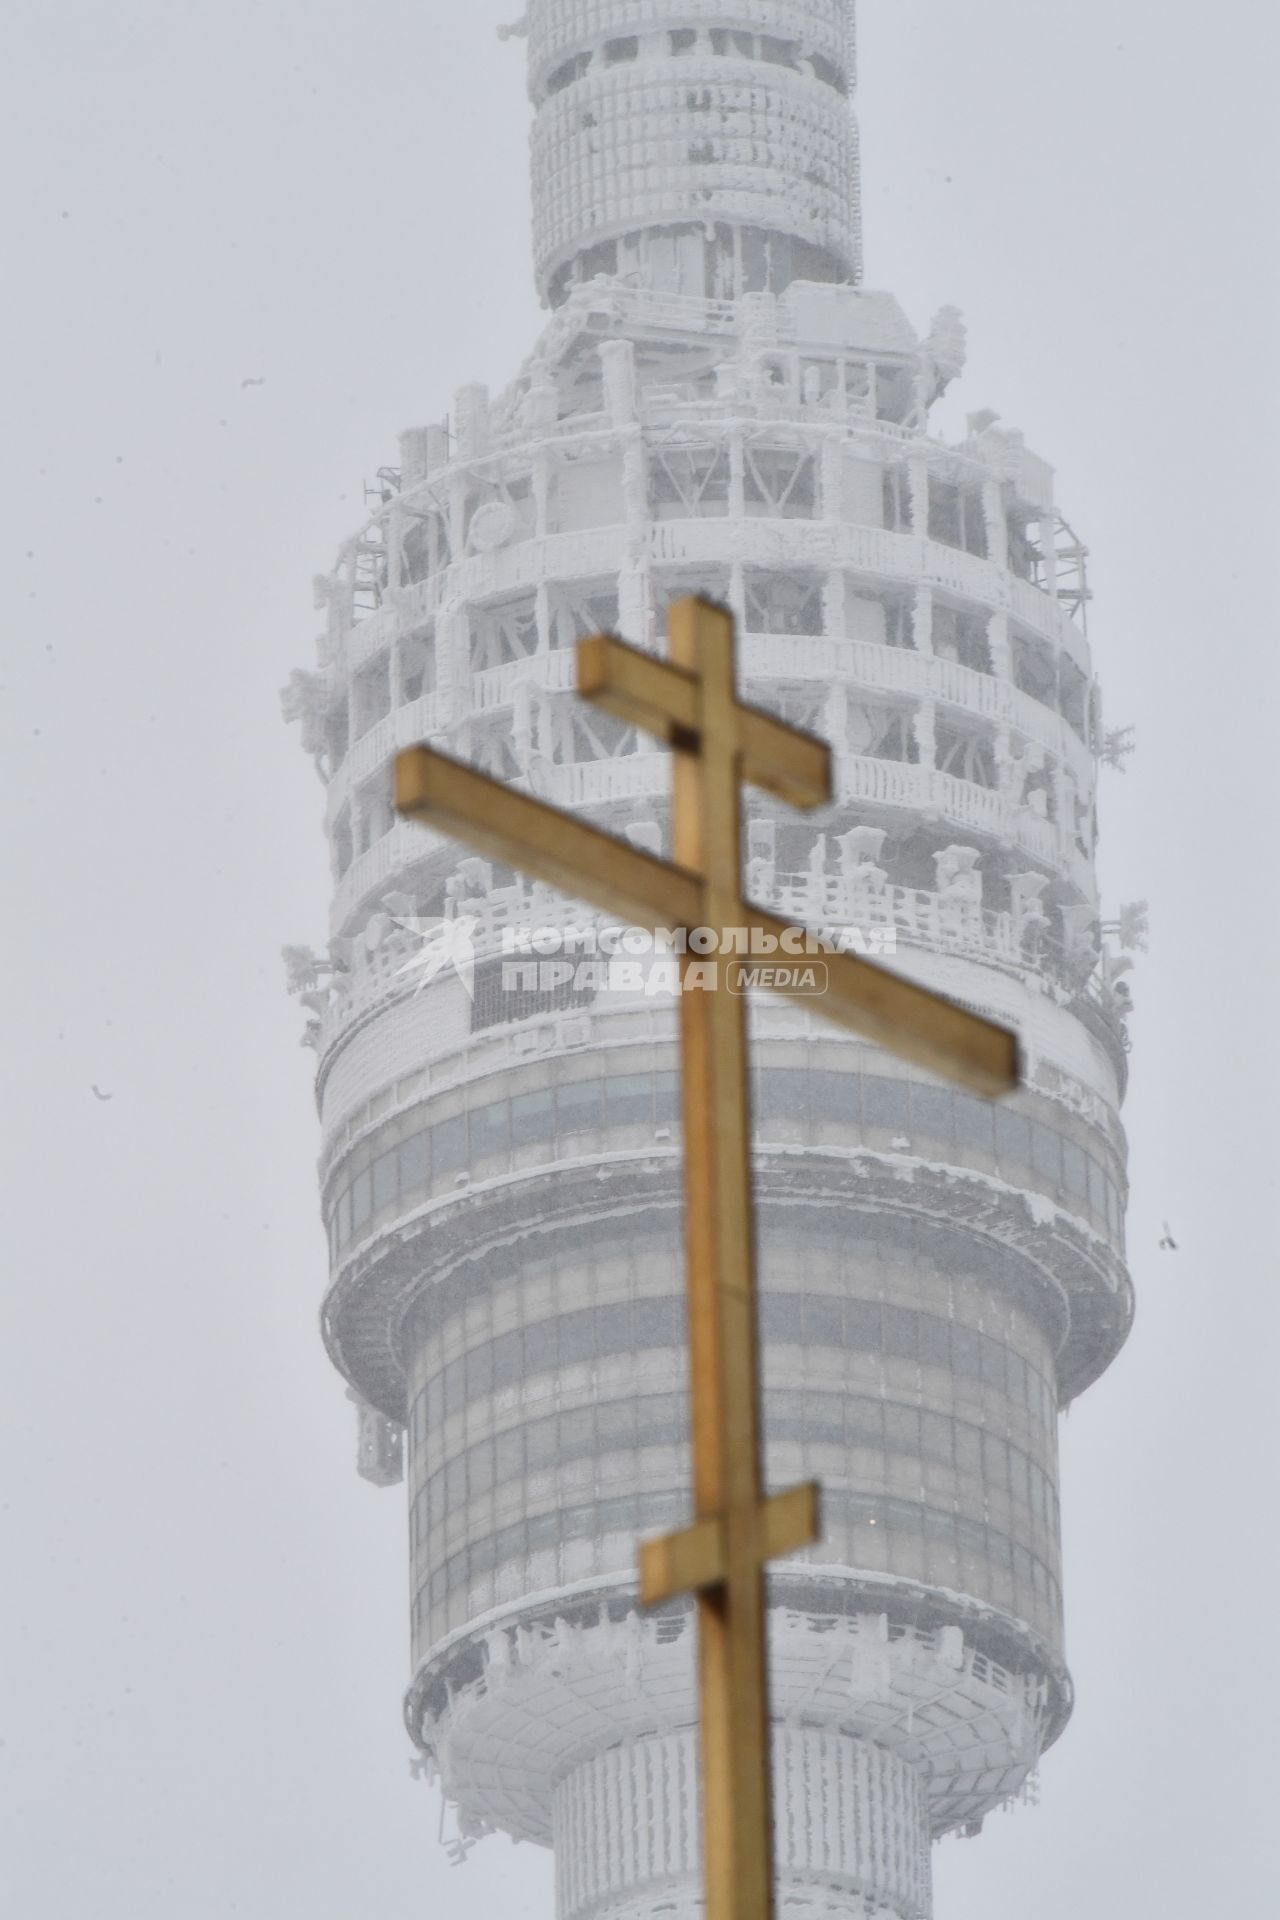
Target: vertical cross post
x: 721, y: 1557
x: 723, y: 1346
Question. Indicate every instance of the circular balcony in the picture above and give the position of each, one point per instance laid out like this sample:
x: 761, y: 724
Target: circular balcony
x: 878, y: 788
x: 917, y: 917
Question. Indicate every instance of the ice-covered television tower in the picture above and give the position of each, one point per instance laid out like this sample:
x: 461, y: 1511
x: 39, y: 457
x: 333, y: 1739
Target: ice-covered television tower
x: 716, y: 404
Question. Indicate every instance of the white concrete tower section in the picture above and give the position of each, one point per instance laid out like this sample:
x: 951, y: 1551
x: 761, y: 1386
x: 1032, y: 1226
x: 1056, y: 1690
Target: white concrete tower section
x: 694, y: 148
x: 717, y: 405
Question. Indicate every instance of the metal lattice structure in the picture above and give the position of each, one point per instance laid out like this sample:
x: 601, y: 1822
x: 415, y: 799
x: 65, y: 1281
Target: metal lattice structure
x: 709, y: 412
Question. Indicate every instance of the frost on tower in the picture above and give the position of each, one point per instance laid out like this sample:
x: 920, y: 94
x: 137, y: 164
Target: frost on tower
x: 716, y: 405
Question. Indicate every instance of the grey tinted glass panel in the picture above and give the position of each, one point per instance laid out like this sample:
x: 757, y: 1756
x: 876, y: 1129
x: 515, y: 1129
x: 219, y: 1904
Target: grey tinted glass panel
x: 540, y: 1346
x: 781, y: 1317
x: 783, y: 1094
x: 968, y: 1448
x: 455, y: 1386
x: 1046, y: 1153
x: 508, y: 1359
x: 618, y: 1515
x: 864, y: 1424
x: 1013, y: 1138
x: 449, y: 1144
x: 480, y: 1471
x: 658, y: 1323
x: 577, y: 1432
x: 972, y: 1538
x: 532, y: 1117
x: 823, y: 1321
x: 489, y: 1134
x: 415, y: 1163
x: 657, y: 1509
x: 384, y: 1180
x: 834, y: 1098
x: 509, y: 1542
x: 974, y: 1123
x: 578, y: 1106
x: 966, y: 1352
x: 931, y: 1112
x: 824, y: 1417
x: 616, y: 1423
x: 615, y: 1327
x: 628, y: 1100
x: 544, y: 1531
x: 479, y: 1370
x: 577, y: 1336
x: 1074, y: 1169
x: 862, y: 1324
x: 885, y: 1103
x: 935, y: 1341
x: 482, y: 1556
x: 992, y: 1362
x: 666, y: 1098
x: 899, y: 1331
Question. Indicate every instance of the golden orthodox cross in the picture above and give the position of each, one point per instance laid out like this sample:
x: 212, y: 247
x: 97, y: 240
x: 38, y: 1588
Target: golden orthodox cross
x: 690, y: 701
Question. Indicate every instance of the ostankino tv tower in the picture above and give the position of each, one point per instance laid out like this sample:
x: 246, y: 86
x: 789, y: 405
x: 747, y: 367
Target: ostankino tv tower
x: 717, y: 405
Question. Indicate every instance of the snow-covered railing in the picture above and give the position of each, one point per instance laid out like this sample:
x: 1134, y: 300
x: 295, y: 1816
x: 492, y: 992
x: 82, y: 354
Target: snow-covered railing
x: 861, y: 780
x: 771, y: 657
x: 403, y: 727
x: 552, y: 672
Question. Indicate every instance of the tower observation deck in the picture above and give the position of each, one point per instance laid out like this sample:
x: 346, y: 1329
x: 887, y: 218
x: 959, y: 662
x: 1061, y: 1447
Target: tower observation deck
x: 717, y: 406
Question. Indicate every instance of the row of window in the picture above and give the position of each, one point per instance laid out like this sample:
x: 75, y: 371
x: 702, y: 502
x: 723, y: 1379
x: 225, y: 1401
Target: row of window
x: 720, y: 41
x: 986, y: 1460
x: 824, y: 1320
x: 946, y: 1538
x: 790, y: 1106
x: 680, y: 41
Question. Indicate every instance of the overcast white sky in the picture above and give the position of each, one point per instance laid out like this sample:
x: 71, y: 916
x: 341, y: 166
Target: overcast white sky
x: 203, y: 1619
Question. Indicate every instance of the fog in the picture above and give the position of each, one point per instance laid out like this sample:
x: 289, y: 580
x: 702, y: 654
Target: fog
x: 203, y: 1614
